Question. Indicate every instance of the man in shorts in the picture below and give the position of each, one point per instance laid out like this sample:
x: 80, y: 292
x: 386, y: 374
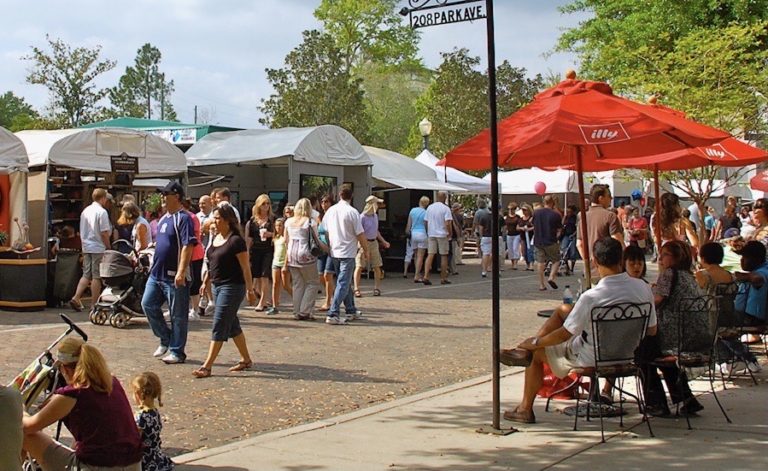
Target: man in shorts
x: 547, y: 223
x: 438, y: 221
x: 565, y: 342
x: 482, y: 227
x: 95, y: 230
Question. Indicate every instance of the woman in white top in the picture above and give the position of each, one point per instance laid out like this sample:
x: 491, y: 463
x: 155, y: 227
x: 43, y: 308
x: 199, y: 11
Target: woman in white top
x: 300, y: 262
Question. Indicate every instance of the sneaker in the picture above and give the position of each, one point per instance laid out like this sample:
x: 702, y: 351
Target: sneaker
x: 483, y: 274
x: 209, y: 309
x: 353, y: 316
x: 193, y: 315
x: 172, y: 359
x: 754, y: 367
x: 335, y: 320
x: 161, y: 350
x: 725, y: 368
x: 271, y: 311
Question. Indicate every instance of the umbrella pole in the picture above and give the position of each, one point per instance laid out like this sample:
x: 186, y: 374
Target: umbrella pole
x: 657, y: 210
x: 583, y: 212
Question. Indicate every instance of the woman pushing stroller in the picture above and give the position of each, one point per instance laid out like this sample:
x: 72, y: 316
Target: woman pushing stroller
x: 95, y: 409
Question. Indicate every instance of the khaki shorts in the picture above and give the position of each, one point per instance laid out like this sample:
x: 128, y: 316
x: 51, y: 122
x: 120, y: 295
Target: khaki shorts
x: 561, y: 358
x: 58, y: 457
x: 373, y: 253
x: 91, y: 263
x: 437, y: 245
x: 548, y: 253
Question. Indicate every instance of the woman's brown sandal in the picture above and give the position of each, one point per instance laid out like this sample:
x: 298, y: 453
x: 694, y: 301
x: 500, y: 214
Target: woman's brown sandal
x: 242, y: 365
x: 202, y: 372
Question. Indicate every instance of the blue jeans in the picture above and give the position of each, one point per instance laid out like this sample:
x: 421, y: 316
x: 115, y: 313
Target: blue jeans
x: 155, y: 293
x: 345, y: 268
x: 228, y: 297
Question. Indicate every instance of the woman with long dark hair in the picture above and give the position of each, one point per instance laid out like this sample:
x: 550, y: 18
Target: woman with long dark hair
x: 675, y: 283
x: 229, y: 272
x: 673, y: 225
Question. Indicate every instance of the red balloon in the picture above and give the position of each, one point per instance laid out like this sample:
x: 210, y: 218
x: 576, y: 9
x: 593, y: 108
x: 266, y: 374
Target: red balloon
x: 540, y: 188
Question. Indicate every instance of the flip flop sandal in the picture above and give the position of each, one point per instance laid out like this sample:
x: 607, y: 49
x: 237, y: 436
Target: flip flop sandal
x: 202, y: 372
x: 358, y: 294
x: 376, y: 292
x: 241, y: 365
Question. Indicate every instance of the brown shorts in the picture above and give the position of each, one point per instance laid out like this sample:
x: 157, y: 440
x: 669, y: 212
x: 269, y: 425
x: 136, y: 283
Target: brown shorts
x: 373, y: 254
x: 91, y: 263
x: 548, y: 253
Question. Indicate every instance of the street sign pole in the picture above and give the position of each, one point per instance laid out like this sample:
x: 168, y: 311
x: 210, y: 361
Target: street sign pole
x: 425, y: 13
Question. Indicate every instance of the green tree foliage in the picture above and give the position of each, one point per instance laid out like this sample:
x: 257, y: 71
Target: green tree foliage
x: 15, y: 112
x: 705, y: 57
x: 143, y: 89
x: 369, y: 31
x: 456, y: 101
x: 69, y: 74
x: 390, y: 99
x: 314, y: 88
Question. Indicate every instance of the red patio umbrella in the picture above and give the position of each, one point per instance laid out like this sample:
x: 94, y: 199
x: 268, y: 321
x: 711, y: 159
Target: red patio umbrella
x: 581, y: 125
x: 760, y: 181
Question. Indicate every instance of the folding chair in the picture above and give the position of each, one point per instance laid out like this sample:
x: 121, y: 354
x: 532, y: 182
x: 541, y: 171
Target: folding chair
x: 690, y: 355
x: 616, y: 333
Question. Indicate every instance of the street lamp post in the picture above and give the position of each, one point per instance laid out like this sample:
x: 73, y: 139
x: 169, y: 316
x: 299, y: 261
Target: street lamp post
x: 425, y: 128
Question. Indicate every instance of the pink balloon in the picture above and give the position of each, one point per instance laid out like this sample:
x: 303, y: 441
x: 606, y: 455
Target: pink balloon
x: 540, y: 188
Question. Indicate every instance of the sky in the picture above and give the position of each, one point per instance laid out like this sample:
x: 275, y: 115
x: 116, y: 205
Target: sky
x: 217, y: 51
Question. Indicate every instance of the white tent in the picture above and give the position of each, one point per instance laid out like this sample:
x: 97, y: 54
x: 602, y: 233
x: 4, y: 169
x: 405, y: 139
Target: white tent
x: 392, y: 170
x: 91, y: 149
x: 454, y: 176
x: 13, y: 155
x: 13, y: 162
x: 521, y: 182
x: 329, y: 145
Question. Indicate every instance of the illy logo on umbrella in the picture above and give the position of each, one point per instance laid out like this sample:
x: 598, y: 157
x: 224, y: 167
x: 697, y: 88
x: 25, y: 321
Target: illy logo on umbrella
x: 714, y: 153
x: 603, y: 133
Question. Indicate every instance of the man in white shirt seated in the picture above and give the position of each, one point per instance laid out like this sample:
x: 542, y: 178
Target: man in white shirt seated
x: 565, y: 342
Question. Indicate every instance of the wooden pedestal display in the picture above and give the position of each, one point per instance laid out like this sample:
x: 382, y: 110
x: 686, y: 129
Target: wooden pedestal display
x: 22, y: 284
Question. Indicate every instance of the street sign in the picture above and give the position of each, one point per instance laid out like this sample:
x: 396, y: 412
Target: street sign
x: 423, y: 13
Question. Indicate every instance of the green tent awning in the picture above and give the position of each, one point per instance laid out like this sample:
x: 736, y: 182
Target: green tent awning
x: 178, y: 133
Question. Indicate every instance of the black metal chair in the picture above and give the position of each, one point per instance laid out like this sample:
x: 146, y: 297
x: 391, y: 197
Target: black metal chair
x: 729, y: 329
x: 616, y: 332
x: 692, y: 353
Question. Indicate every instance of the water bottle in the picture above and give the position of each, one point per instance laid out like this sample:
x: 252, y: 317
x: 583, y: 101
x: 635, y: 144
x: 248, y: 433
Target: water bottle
x: 567, y: 295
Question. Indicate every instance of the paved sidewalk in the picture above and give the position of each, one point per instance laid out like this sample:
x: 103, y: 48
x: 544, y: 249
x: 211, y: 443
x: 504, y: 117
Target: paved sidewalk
x: 436, y: 430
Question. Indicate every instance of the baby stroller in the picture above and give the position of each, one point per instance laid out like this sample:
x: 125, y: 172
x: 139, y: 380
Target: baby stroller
x: 124, y: 280
x: 41, y: 378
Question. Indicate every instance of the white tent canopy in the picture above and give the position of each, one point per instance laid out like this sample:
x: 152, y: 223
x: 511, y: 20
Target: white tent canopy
x: 391, y: 169
x: 91, y: 149
x: 330, y: 145
x: 454, y: 176
x: 13, y: 155
x: 521, y: 182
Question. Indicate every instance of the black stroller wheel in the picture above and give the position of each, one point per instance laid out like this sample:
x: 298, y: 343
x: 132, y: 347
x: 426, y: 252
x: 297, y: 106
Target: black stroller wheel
x: 120, y: 320
x: 101, y: 316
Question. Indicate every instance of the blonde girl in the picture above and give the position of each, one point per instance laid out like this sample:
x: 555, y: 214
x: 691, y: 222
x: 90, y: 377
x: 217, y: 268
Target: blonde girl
x: 146, y: 390
x: 301, y: 264
x: 279, y: 281
x: 369, y: 219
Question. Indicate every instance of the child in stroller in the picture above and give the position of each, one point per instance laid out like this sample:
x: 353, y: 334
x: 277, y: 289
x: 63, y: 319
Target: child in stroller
x: 124, y: 277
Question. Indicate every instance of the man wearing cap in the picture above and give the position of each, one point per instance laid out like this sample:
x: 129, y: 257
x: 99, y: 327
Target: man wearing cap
x: 95, y: 229
x: 345, y: 232
x: 169, y: 277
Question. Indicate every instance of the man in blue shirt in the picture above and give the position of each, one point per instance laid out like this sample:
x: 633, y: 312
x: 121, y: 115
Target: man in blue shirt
x: 169, y: 277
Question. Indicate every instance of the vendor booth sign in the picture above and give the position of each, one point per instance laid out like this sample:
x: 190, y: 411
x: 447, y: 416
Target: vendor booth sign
x: 124, y: 164
x: 177, y: 136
